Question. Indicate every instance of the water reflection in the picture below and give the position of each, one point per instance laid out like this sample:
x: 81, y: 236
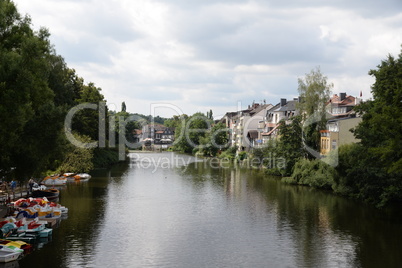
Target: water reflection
x: 153, y: 212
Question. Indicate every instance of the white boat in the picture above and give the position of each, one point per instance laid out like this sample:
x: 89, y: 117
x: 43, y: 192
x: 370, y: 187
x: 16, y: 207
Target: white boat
x: 55, y: 180
x: 8, y: 254
x: 77, y: 176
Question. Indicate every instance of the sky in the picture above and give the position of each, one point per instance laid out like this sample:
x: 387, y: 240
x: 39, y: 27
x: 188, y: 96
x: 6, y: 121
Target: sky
x: 181, y: 56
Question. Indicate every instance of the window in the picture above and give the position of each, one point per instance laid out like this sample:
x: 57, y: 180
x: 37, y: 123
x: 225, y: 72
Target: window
x: 333, y: 144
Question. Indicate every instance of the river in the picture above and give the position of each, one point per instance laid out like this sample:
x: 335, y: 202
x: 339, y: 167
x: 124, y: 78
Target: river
x: 171, y: 210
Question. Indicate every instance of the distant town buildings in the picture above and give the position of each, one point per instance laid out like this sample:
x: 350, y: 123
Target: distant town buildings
x: 258, y: 124
x: 255, y: 126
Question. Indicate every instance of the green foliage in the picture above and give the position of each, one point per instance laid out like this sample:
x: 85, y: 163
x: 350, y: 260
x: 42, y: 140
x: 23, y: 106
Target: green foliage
x: 86, y: 121
x: 77, y: 159
x: 313, y: 173
x: 290, y: 144
x: 229, y: 154
x: 215, y: 141
x: 175, y: 121
x: 191, y: 132
x: 209, y: 115
x: 37, y: 89
x: 372, y: 169
x: 241, y: 156
x: 129, y: 123
x: 314, y: 91
x: 105, y: 157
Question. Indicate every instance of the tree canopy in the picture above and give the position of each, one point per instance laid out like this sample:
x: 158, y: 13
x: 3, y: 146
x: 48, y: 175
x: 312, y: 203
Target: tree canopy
x: 36, y: 91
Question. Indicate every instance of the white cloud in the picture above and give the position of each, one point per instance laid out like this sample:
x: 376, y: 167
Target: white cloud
x: 211, y: 54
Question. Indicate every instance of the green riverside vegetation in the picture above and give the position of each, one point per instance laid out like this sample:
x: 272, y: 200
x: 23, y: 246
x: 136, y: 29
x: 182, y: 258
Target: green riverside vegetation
x: 37, y: 89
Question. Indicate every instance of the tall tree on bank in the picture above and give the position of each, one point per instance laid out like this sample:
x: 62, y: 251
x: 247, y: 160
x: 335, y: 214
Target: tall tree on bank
x: 26, y: 98
x: 36, y: 91
x: 380, y: 153
x: 314, y: 91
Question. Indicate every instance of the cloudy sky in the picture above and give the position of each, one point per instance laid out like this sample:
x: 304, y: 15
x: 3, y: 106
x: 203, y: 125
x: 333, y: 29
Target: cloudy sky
x: 191, y: 56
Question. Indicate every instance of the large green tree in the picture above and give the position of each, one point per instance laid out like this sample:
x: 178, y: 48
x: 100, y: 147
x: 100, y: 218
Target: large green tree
x: 314, y: 91
x: 37, y: 89
x: 290, y: 144
x: 381, y: 135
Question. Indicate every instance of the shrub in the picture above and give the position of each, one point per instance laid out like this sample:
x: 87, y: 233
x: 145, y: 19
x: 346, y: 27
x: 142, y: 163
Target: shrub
x: 314, y: 173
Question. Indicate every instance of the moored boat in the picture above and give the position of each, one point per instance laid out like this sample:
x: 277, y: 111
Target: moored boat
x: 18, y: 244
x: 42, y: 191
x: 54, y: 180
x: 8, y: 254
x: 77, y: 176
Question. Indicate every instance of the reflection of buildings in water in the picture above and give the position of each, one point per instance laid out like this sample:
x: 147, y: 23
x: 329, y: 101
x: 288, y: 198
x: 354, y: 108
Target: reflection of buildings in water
x: 336, y: 248
x: 233, y: 183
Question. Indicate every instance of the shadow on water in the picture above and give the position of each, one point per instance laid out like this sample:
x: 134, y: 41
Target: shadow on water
x: 194, y: 215
x: 73, y: 241
x: 327, y: 230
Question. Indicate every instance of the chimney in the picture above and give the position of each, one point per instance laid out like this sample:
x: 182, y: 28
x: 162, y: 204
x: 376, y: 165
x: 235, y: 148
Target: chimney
x: 283, y: 102
x: 299, y: 99
x: 342, y: 96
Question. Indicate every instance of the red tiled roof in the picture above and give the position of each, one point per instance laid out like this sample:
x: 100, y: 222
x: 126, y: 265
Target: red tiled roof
x: 349, y: 100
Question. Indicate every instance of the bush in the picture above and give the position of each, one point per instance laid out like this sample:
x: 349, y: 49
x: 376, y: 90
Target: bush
x: 241, y: 156
x: 229, y: 154
x: 314, y: 173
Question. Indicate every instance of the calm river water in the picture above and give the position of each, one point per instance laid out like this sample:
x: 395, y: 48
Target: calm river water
x: 159, y: 211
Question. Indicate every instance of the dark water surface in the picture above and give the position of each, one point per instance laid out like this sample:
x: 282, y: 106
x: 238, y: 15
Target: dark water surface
x: 158, y: 212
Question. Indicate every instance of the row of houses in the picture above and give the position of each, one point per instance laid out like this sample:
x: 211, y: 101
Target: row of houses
x: 154, y: 133
x: 256, y: 125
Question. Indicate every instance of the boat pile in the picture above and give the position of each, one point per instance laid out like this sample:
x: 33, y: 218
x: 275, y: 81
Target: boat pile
x: 61, y: 179
x: 32, y: 222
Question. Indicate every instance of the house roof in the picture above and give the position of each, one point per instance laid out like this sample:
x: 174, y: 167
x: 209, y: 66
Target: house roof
x: 289, y: 106
x: 274, y: 108
x: 347, y: 101
x: 259, y: 108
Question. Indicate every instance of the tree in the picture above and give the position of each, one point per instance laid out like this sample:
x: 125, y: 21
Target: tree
x: 381, y: 133
x: 86, y: 121
x: 314, y: 91
x: 215, y: 140
x: 290, y: 144
x: 209, y: 115
x: 36, y: 91
x: 190, y: 132
x: 78, y: 159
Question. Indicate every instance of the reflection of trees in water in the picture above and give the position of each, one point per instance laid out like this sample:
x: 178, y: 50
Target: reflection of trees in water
x: 320, y: 220
x: 325, y: 229
x: 77, y: 235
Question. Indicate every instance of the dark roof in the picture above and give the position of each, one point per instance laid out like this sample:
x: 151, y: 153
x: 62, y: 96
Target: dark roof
x: 289, y: 106
x: 259, y: 109
x: 274, y: 108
